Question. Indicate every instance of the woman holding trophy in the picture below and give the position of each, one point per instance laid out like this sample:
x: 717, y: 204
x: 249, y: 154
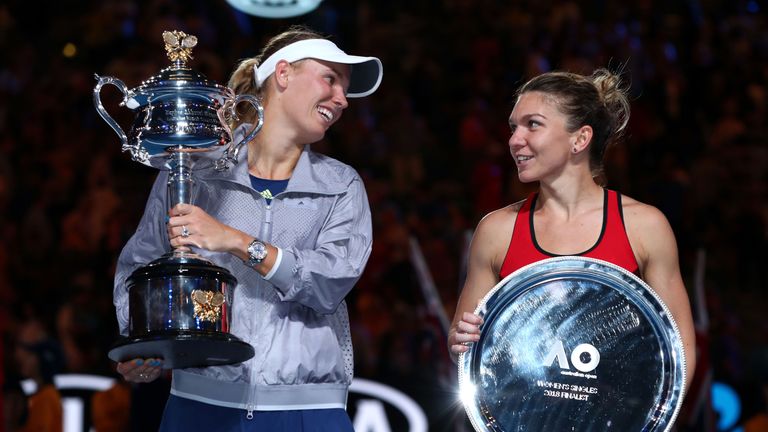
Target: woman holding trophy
x: 561, y: 125
x: 294, y: 227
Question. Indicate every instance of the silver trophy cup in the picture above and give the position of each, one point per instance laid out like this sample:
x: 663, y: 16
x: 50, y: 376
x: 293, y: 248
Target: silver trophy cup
x: 180, y: 304
x: 573, y: 344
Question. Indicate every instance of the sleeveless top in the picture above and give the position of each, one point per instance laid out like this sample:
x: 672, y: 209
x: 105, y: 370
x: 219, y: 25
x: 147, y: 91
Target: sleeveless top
x: 612, y: 245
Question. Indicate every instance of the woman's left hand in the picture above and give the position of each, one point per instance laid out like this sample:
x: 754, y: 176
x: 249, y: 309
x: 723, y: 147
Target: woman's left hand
x: 190, y: 225
x: 465, y: 332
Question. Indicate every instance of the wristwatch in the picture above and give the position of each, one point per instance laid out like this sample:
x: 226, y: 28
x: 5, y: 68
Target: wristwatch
x: 257, y: 252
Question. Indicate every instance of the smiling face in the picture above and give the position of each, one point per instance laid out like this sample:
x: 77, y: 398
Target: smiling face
x: 540, y: 143
x: 315, y: 96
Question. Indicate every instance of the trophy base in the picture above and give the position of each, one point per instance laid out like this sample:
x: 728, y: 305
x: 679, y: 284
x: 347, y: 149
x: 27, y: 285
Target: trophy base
x: 182, y: 349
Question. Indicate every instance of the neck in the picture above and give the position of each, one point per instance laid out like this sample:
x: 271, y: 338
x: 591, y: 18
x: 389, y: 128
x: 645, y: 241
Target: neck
x: 272, y: 162
x: 276, y: 149
x: 570, y: 196
x: 274, y: 152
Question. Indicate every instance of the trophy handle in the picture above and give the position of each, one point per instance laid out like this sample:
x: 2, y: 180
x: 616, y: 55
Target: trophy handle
x: 137, y: 152
x: 230, y: 154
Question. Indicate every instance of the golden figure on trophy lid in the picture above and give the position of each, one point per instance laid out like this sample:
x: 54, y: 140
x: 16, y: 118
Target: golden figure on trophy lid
x: 178, y: 45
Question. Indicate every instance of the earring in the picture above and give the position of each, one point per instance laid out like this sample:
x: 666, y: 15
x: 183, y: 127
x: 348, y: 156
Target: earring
x: 575, y: 150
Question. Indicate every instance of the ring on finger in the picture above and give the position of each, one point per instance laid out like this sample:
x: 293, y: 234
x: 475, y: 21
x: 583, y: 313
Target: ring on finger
x: 184, y: 231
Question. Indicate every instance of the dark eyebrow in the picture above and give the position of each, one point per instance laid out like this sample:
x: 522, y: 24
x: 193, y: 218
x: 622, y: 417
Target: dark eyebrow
x: 528, y: 117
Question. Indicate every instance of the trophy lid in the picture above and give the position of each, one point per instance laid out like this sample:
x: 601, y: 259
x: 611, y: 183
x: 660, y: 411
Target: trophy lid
x: 177, y: 78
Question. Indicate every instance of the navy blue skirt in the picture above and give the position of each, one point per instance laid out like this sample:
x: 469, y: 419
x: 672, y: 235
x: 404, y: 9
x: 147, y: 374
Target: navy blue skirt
x: 186, y: 415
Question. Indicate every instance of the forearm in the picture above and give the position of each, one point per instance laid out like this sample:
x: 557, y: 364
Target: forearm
x: 317, y: 280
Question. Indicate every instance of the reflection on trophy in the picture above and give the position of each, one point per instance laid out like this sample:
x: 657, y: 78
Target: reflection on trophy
x: 180, y: 304
x: 573, y: 344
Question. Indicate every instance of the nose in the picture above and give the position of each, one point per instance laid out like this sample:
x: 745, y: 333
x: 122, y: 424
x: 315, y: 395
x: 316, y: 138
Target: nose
x: 340, y: 99
x: 516, y: 140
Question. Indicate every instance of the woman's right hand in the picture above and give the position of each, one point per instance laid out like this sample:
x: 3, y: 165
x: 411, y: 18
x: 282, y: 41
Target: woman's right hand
x: 140, y: 370
x: 466, y: 331
x: 189, y: 225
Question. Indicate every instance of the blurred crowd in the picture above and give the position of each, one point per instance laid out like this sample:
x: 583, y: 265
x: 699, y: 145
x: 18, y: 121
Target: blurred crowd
x: 431, y: 145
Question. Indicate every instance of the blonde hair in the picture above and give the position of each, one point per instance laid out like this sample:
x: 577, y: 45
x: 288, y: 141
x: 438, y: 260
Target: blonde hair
x: 242, y: 80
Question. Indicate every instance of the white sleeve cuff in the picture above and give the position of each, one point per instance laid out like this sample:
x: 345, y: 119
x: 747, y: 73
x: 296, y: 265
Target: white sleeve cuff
x: 274, y: 268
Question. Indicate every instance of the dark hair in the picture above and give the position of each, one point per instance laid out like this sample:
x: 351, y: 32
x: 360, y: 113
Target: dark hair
x: 243, y: 80
x: 50, y: 357
x: 598, y: 101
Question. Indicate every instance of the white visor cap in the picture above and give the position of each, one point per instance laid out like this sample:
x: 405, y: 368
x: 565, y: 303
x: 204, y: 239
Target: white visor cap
x: 365, y: 72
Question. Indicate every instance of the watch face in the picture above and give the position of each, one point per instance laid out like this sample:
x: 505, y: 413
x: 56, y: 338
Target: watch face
x: 257, y: 250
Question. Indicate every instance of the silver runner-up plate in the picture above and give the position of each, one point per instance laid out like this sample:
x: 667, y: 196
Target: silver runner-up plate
x: 573, y: 344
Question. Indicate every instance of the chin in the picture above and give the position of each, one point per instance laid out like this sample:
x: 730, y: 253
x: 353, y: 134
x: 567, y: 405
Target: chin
x: 313, y: 136
x: 524, y: 178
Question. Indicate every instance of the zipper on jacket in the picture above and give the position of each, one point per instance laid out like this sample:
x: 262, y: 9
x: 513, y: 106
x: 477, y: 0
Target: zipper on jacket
x: 250, y: 409
x: 266, y: 225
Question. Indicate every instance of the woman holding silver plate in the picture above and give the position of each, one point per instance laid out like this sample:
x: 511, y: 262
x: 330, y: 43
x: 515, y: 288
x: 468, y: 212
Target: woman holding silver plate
x: 294, y: 227
x: 561, y: 125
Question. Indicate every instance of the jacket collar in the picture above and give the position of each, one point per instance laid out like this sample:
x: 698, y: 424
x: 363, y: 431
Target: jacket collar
x: 312, y: 174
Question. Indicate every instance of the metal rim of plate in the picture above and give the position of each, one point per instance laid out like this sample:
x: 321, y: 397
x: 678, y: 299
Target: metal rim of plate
x: 528, y: 287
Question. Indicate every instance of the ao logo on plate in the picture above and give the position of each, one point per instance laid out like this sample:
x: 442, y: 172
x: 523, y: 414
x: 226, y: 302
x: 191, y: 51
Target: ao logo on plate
x: 582, y: 363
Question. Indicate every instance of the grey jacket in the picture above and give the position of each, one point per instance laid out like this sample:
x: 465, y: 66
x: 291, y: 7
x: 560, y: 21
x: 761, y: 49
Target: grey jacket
x: 297, y: 320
